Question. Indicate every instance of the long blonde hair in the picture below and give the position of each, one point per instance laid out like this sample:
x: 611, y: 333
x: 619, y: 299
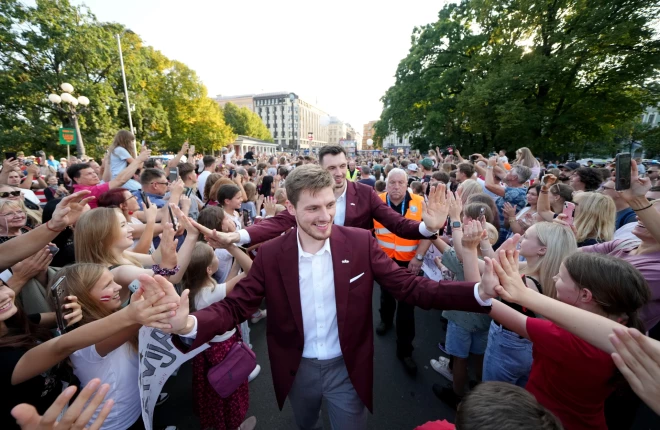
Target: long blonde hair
x: 526, y: 158
x: 560, y: 243
x: 595, y: 216
x: 124, y: 139
x: 79, y: 279
x: 95, y: 232
x: 468, y: 188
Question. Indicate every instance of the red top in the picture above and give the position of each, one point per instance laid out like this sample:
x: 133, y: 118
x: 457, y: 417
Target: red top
x: 96, y: 190
x: 569, y: 376
x: 436, y: 425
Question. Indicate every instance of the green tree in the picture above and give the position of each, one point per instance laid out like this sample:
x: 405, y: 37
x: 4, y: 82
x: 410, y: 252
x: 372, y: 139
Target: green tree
x: 245, y: 122
x: 556, y: 76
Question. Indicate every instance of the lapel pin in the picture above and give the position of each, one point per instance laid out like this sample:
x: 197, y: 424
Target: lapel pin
x: 352, y: 204
x: 344, y: 261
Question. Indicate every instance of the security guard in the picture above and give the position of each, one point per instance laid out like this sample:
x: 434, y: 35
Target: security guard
x: 352, y: 174
x: 405, y: 253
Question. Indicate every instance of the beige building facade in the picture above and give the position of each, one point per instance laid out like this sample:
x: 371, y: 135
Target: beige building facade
x: 240, y: 101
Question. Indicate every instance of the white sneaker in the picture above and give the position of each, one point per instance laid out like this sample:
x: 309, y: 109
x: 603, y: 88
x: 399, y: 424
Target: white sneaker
x: 248, y: 424
x: 252, y: 376
x: 258, y: 316
x: 441, y: 365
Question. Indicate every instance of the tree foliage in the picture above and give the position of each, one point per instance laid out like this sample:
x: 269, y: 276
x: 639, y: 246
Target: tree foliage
x: 54, y: 42
x: 557, y: 76
x: 245, y: 122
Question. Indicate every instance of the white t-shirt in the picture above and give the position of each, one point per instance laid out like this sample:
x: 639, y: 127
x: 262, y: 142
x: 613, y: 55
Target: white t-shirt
x: 30, y: 195
x: 489, y: 193
x: 120, y: 370
x: 225, y: 261
x: 201, y: 181
x: 206, y: 297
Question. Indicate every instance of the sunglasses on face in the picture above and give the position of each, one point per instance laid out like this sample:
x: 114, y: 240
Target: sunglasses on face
x: 6, y: 194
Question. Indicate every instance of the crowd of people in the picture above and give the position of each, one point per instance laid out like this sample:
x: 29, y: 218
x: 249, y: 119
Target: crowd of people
x: 547, y: 275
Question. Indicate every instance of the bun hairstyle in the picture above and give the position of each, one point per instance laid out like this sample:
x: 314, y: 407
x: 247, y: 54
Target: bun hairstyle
x: 615, y: 285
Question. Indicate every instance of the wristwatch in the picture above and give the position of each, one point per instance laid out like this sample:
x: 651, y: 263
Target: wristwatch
x: 456, y: 224
x: 419, y: 257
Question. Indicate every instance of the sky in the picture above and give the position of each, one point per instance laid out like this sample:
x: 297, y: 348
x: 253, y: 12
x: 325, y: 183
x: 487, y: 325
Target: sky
x: 340, y: 56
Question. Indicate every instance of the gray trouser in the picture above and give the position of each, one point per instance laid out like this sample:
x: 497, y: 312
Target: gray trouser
x: 318, y: 379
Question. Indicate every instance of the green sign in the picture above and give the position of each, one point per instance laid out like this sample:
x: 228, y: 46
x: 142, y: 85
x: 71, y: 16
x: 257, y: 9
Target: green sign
x: 68, y: 136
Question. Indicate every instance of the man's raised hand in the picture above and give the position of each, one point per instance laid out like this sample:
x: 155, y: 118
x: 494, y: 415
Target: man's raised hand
x: 435, y: 212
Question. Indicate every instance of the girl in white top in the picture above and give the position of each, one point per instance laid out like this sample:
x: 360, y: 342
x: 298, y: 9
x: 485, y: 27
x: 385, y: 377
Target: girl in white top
x: 214, y: 411
x: 122, y: 153
x: 114, y: 359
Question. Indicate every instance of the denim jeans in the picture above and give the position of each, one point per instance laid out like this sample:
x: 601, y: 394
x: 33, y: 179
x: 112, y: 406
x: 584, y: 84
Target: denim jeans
x: 508, y: 357
x: 460, y: 342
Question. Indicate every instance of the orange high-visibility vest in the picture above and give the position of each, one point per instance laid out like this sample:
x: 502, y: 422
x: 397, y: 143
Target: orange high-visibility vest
x: 394, y: 246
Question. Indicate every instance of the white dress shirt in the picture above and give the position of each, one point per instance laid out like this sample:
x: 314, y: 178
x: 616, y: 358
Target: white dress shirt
x: 317, y: 301
x: 340, y: 219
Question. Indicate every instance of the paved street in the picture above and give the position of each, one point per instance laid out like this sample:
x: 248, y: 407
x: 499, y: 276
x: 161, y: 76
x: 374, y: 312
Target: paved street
x: 400, y: 402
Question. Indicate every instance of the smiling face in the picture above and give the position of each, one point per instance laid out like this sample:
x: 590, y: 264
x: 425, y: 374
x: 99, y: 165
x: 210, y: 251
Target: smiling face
x: 234, y: 203
x: 130, y: 201
x: 88, y: 177
x: 532, y: 196
x: 337, y: 165
x: 314, y: 212
x: 52, y: 180
x: 641, y: 232
x: 106, y: 292
x: 7, y: 189
x: 7, y: 306
x: 124, y: 234
x: 13, y: 217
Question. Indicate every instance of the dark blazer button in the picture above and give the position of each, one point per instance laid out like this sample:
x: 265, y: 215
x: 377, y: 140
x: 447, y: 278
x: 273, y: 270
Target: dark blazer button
x: 300, y: 348
x: 293, y: 373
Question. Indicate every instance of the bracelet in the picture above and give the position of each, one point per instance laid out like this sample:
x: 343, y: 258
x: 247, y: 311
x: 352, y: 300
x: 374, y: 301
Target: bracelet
x: 544, y: 192
x: 163, y: 271
x: 54, y: 231
x: 644, y: 208
x: 489, y: 167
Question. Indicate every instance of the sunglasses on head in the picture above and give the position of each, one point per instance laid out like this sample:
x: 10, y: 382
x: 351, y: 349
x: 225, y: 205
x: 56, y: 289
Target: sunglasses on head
x: 6, y: 194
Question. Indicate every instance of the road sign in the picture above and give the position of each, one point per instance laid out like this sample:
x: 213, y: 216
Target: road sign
x: 68, y: 136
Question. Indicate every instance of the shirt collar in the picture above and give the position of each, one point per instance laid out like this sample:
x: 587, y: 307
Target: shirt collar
x: 301, y: 253
x: 343, y: 195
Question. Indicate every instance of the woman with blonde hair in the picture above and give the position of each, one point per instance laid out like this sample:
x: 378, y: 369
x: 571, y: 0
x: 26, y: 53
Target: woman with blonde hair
x: 13, y: 219
x: 103, y: 236
x: 122, y: 153
x: 114, y: 359
x: 544, y: 245
x: 468, y: 188
x: 525, y: 157
x: 595, y: 216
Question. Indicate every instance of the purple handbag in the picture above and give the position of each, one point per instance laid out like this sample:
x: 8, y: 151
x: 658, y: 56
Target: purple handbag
x: 226, y: 376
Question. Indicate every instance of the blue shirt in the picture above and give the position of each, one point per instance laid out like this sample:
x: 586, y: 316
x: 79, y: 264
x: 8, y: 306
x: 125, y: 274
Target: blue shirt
x: 516, y: 197
x: 624, y: 217
x: 153, y: 198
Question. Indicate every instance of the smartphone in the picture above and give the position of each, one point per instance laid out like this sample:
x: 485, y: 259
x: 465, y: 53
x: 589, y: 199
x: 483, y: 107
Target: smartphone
x: 174, y: 174
x: 172, y: 219
x: 474, y: 158
x: 9, y: 155
x: 246, y: 218
x: 53, y: 249
x: 57, y: 295
x: 28, y: 162
x: 569, y: 211
x: 622, y: 178
x: 144, y: 199
x: 191, y: 149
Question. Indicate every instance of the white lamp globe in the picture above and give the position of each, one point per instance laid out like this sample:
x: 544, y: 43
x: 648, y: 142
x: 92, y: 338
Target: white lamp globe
x: 370, y: 142
x: 74, y: 101
x: 83, y: 100
x: 67, y: 88
x: 54, y: 98
x: 66, y: 97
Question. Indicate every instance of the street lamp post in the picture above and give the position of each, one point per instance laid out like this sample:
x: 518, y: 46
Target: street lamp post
x: 292, y: 97
x: 70, y: 109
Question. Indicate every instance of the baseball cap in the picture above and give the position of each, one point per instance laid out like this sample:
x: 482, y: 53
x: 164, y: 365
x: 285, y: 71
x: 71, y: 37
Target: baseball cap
x: 571, y: 165
x: 412, y: 167
x: 427, y: 163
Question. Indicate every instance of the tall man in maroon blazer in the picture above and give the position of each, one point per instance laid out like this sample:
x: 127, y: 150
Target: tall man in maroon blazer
x: 357, y: 206
x: 318, y: 281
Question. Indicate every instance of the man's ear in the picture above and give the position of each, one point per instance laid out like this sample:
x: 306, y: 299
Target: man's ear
x: 290, y: 208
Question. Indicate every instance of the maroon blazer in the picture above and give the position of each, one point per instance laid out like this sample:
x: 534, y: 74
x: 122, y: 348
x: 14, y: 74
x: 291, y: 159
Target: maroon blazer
x: 362, y: 206
x: 274, y: 275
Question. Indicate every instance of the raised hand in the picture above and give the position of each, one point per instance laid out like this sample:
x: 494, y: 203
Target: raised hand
x: 511, y: 288
x: 150, y: 212
x: 215, y: 238
x: 509, y: 245
x: 168, y: 246
x: 77, y: 415
x: 164, y: 291
x: 455, y: 207
x: 270, y: 204
x: 473, y: 233
x: 69, y: 209
x: 489, y: 281
x: 33, y: 169
x: 638, y: 359
x: 509, y: 210
x: 549, y: 180
x: 10, y: 165
x: 145, y: 311
x: 186, y: 222
x: 638, y: 186
x: 435, y: 211
x: 185, y: 205
x: 75, y: 315
x: 33, y: 265
x: 144, y: 154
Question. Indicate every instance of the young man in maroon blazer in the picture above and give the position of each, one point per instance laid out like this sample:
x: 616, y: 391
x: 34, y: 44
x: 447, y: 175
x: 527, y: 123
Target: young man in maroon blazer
x: 357, y: 206
x: 318, y: 280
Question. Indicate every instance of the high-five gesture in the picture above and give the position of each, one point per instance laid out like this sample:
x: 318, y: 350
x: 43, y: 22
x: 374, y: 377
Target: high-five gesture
x: 69, y: 210
x: 436, y: 210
